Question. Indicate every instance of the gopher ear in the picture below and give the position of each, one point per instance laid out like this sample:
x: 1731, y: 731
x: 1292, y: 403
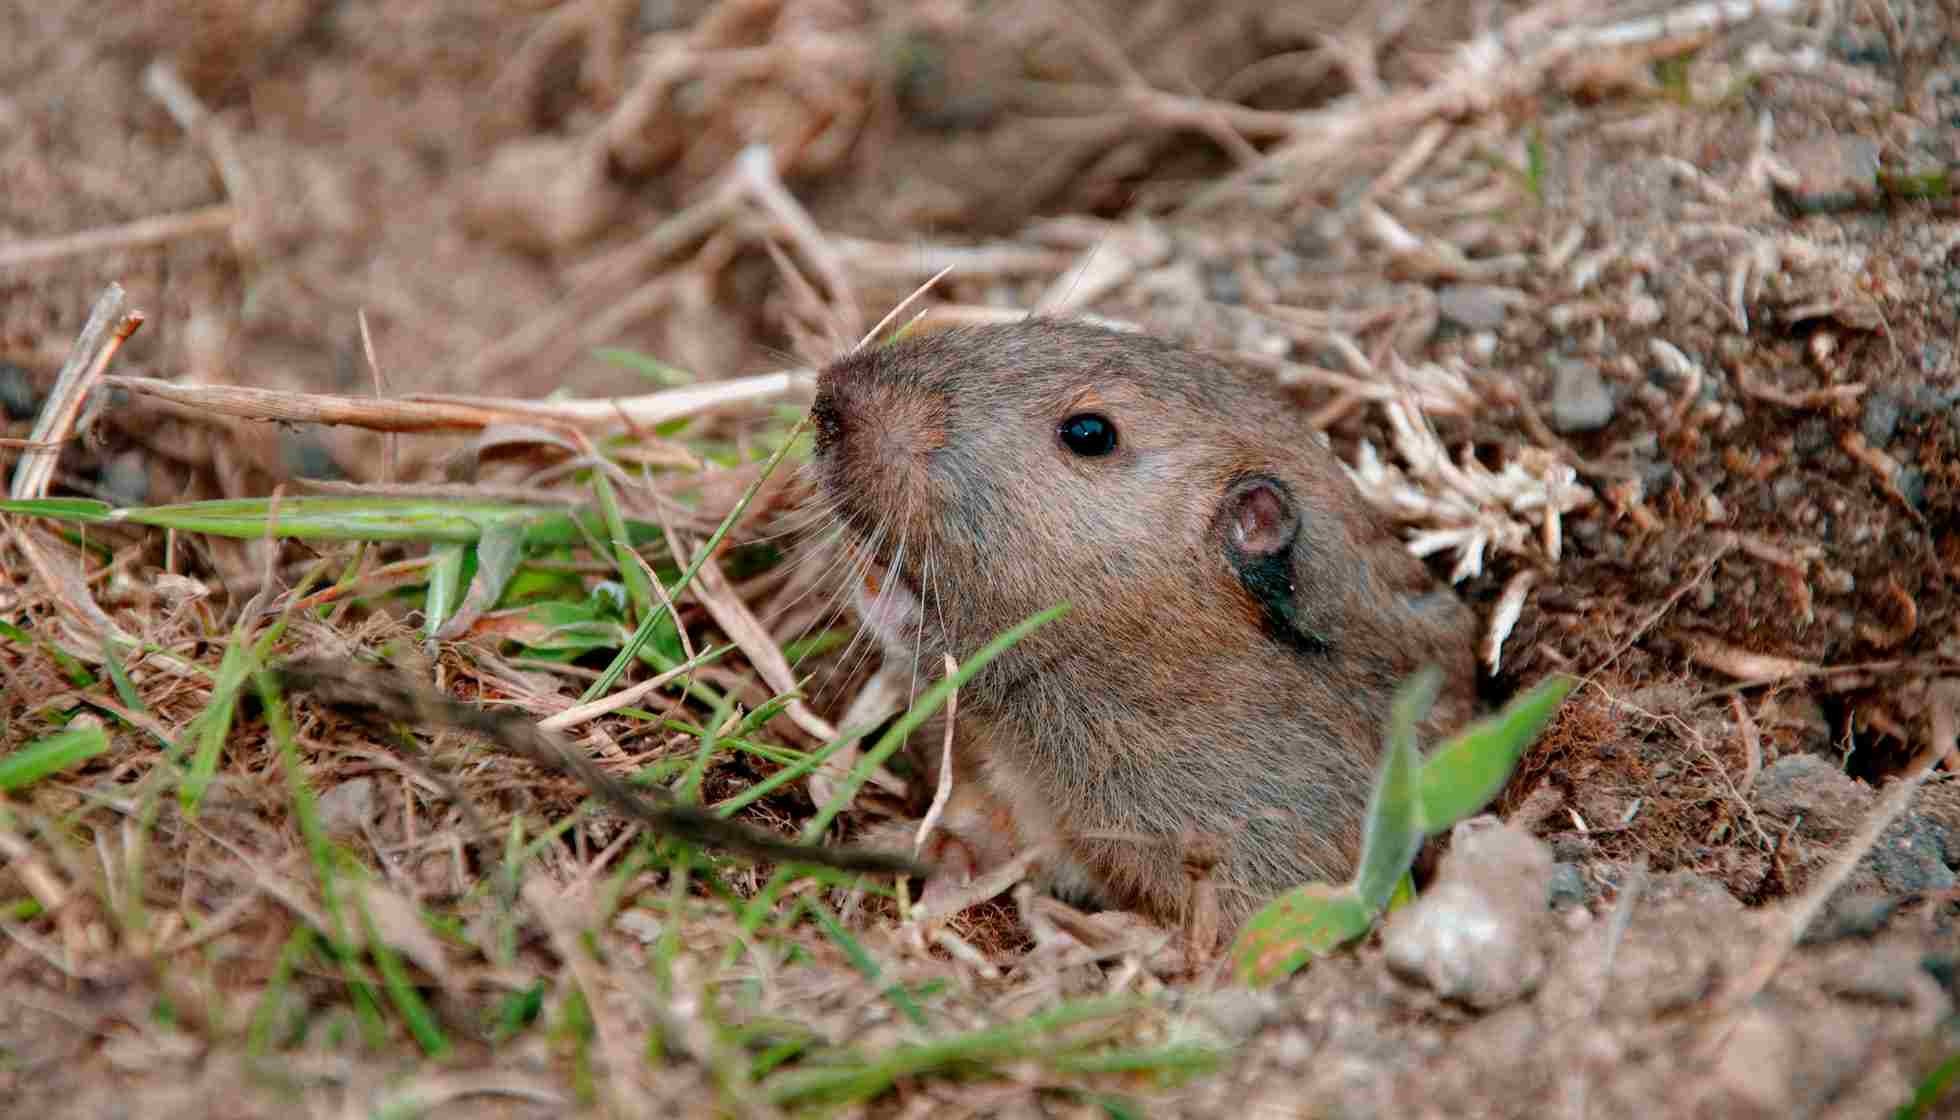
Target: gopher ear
x: 1260, y: 520
x: 1260, y: 525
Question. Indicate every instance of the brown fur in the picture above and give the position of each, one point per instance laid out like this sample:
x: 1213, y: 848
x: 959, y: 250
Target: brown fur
x: 1164, y: 706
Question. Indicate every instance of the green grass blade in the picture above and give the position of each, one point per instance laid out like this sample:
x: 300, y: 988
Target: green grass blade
x: 306, y: 811
x: 258, y: 1037
x: 1178, y: 1059
x: 213, y: 725
x: 77, y: 673
x: 396, y: 982
x: 651, y: 368
x: 1931, y: 1088
x: 631, y: 573
x: 51, y: 755
x: 690, y: 787
x: 342, y: 519
x: 119, y: 678
x: 84, y: 510
x: 861, y: 1079
x: 862, y: 961
x: 319, y: 847
x: 650, y: 619
x: 928, y: 703
x: 368, y: 519
x: 783, y: 777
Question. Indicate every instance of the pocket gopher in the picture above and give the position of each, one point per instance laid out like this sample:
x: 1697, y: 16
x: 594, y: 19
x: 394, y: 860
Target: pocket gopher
x: 1239, y: 616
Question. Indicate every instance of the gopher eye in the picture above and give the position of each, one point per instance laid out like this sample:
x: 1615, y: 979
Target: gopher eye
x: 1088, y: 434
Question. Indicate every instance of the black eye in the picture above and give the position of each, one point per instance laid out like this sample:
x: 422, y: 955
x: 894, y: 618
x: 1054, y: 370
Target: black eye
x: 1088, y: 434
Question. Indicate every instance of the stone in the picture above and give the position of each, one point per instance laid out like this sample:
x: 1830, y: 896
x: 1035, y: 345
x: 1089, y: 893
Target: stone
x: 1475, y: 307
x: 1832, y: 172
x: 1477, y: 935
x: 1830, y: 802
x: 125, y: 479
x: 19, y: 398
x: 1581, y: 399
x: 1567, y: 887
x: 345, y: 808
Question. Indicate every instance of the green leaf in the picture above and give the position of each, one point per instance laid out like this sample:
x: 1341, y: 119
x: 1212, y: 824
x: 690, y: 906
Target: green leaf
x: 119, y: 678
x: 1392, y: 832
x: 446, y: 565
x: 1304, y: 923
x: 630, y: 572
x: 85, y: 510
x: 213, y: 725
x: 651, y: 368
x: 51, y: 755
x: 1410, y: 799
x: 498, y: 555
x: 569, y: 630
x: 532, y: 583
x: 1469, y: 769
x: 370, y: 519
x: 1931, y: 1088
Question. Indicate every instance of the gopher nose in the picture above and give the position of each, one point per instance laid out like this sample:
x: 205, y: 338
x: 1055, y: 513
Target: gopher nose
x: 828, y: 416
x: 847, y: 412
x: 883, y: 425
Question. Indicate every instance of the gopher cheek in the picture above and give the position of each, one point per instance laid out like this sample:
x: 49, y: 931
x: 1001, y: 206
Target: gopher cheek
x: 890, y: 611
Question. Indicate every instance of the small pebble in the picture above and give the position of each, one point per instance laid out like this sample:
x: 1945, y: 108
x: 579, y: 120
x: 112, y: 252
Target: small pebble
x: 639, y: 925
x: 125, y: 479
x: 18, y: 396
x: 307, y: 457
x: 1567, y: 887
x: 1811, y: 788
x: 345, y: 808
x: 1476, y: 935
x: 1581, y: 399
x: 1881, y: 418
x: 1237, y: 1013
x: 1751, y: 1072
x: 1885, y: 974
x: 1910, y: 858
x: 1833, y: 172
x: 1475, y: 307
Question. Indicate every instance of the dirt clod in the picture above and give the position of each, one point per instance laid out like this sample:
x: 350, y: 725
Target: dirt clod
x: 1475, y: 935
